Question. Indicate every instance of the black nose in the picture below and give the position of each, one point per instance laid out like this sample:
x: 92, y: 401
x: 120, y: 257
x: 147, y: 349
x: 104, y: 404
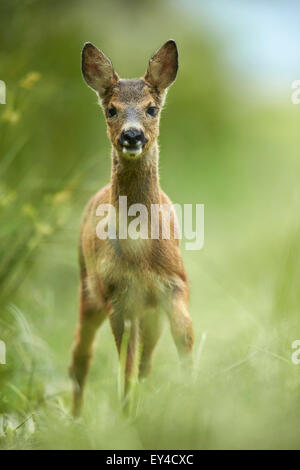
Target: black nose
x: 132, y: 137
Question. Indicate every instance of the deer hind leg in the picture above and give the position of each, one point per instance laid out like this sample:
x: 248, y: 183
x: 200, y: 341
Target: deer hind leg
x: 90, y: 318
x: 151, y: 327
x: 182, y: 329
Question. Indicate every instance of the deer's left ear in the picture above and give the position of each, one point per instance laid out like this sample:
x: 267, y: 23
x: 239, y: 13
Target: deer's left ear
x: 163, y: 66
x: 97, y: 69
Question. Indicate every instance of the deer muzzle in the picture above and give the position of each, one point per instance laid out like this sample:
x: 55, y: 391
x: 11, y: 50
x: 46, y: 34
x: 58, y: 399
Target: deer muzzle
x: 132, y: 141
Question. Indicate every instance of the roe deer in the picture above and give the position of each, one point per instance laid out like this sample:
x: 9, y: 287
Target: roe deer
x: 134, y: 282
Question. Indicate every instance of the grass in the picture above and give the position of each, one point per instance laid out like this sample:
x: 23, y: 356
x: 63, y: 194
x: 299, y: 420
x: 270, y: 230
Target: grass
x: 238, y: 158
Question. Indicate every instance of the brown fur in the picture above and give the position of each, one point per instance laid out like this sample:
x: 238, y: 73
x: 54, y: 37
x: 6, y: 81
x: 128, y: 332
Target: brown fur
x: 135, y: 280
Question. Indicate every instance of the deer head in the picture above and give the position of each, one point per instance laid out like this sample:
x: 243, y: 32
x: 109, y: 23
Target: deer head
x: 131, y: 106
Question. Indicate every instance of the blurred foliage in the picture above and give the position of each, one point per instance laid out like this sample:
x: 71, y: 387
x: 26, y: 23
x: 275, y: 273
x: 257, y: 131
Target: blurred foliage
x: 236, y: 155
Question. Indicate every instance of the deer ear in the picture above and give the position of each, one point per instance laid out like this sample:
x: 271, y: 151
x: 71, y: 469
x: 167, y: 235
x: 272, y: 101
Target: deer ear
x: 97, y: 69
x: 163, y: 66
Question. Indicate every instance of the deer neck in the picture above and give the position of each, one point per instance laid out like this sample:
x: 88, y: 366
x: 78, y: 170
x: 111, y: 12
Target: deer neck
x: 137, y: 179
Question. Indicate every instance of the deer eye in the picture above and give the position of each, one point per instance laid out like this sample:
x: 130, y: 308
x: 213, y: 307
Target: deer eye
x: 111, y: 112
x: 152, y: 111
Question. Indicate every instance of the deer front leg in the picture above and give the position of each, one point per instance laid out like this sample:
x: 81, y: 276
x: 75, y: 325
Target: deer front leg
x: 126, y: 334
x: 90, y: 318
x: 182, y: 330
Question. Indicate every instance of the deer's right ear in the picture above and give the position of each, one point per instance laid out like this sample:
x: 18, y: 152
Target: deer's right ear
x: 97, y: 69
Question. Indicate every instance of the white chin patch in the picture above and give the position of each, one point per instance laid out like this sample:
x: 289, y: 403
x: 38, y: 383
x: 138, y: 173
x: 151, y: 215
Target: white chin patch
x: 132, y: 152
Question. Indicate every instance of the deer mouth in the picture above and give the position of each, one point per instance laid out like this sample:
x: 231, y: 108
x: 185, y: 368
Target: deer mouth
x: 132, y: 150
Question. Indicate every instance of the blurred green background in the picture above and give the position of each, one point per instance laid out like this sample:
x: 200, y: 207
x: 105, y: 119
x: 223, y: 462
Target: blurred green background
x: 230, y: 140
